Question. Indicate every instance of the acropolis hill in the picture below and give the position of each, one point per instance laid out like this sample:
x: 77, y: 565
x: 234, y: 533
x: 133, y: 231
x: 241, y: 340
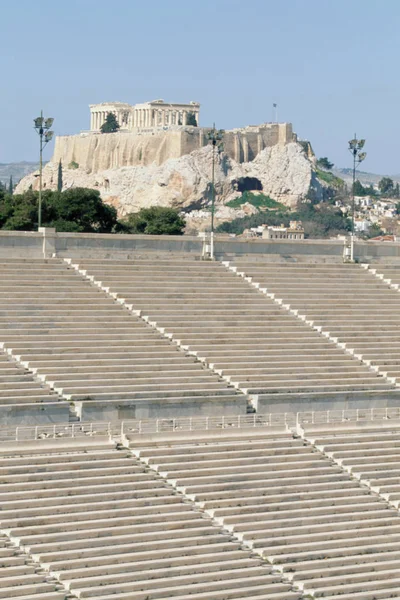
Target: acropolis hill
x: 157, y: 158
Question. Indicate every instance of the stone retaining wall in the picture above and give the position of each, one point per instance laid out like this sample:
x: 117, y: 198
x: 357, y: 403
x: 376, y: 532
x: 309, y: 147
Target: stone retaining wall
x: 48, y: 243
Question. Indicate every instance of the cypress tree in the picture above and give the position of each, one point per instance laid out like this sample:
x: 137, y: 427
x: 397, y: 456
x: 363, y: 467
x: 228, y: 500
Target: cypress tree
x: 110, y: 125
x: 60, y: 177
x: 11, y: 187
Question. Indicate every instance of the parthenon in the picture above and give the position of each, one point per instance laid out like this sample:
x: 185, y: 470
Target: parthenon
x: 155, y: 114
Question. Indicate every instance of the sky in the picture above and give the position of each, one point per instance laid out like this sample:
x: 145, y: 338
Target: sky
x: 330, y: 65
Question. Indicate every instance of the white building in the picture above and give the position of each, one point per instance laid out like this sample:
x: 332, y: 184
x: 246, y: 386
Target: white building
x: 295, y: 231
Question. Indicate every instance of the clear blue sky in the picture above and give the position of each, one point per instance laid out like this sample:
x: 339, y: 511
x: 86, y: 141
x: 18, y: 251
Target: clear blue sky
x: 331, y: 65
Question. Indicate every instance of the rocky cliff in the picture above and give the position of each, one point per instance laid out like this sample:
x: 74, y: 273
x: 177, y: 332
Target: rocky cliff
x: 284, y: 173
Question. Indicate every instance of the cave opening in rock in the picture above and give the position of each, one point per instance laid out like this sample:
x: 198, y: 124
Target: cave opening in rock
x: 248, y: 184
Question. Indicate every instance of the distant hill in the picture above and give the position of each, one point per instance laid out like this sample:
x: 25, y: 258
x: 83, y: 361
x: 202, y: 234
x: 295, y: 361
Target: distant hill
x: 363, y: 176
x: 16, y: 170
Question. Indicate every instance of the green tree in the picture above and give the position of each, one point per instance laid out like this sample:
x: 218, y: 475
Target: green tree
x: 374, y: 231
x: 324, y: 163
x: 80, y: 209
x: 358, y: 188
x: 155, y: 220
x: 397, y: 191
x: 11, y: 186
x: 76, y: 209
x: 191, y: 119
x: 386, y: 186
x: 110, y: 125
x: 60, y: 177
x: 19, y: 212
x: 361, y: 190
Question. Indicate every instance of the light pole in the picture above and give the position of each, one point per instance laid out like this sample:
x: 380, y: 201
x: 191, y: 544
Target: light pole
x: 42, y: 127
x: 355, y: 147
x: 215, y: 137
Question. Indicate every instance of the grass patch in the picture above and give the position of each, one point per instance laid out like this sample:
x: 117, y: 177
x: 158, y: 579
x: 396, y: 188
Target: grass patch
x: 329, y: 178
x: 260, y: 201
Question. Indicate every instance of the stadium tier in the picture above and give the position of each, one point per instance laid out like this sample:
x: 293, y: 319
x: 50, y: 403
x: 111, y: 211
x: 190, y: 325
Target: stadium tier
x: 93, y: 352
x: 20, y: 578
x: 251, y: 340
x: 269, y: 512
x: 107, y: 527
x: 370, y: 455
x: 291, y: 504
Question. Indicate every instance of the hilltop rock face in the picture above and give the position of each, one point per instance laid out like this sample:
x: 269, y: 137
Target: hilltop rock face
x: 283, y: 173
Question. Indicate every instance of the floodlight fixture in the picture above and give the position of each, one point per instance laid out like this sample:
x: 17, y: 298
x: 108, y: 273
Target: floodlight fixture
x: 38, y: 122
x: 362, y: 156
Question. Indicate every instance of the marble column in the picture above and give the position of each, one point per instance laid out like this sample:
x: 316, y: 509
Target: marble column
x: 163, y: 117
x: 184, y: 120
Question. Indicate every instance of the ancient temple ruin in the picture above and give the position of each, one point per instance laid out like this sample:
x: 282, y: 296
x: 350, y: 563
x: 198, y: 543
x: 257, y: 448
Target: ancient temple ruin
x: 147, y: 115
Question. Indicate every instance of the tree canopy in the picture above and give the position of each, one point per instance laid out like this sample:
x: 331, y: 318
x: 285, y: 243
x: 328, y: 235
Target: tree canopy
x: 386, y: 186
x: 156, y: 220
x: 110, y: 125
x: 324, y: 163
x: 76, y: 209
x: 361, y: 190
x: 59, y: 177
x: 191, y: 119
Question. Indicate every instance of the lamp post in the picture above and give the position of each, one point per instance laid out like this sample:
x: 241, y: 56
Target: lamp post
x: 42, y: 126
x: 215, y: 137
x: 355, y: 147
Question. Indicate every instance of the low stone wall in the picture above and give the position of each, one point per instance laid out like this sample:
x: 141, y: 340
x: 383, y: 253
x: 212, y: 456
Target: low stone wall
x: 21, y: 244
x: 47, y: 243
x: 34, y: 414
x: 333, y: 401
x: 120, y: 410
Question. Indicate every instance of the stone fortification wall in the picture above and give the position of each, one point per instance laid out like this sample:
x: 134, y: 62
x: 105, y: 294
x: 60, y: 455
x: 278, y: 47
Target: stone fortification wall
x: 100, y: 152
x: 96, y: 152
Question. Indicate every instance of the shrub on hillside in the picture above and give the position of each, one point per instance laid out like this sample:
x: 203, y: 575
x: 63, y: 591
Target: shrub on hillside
x: 319, y: 220
x: 156, y: 220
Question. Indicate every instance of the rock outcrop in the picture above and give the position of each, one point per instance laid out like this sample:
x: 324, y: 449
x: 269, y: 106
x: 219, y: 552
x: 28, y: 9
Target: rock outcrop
x: 284, y: 173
